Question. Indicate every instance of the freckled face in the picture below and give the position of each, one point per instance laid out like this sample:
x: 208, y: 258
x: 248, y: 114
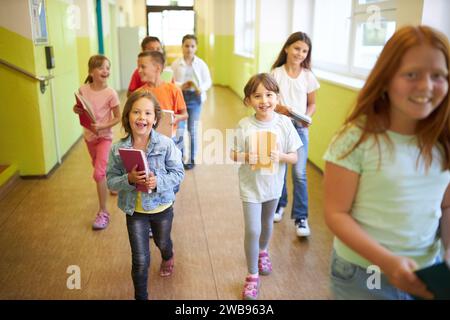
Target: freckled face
x: 419, y: 86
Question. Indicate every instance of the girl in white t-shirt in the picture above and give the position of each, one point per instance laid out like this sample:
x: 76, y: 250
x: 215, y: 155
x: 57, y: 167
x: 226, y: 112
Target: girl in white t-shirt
x: 292, y: 71
x: 260, y: 188
x: 387, y: 173
x: 105, y: 103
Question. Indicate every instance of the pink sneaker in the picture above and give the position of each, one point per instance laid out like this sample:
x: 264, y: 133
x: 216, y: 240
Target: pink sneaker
x: 166, y: 268
x: 264, y: 264
x: 251, y: 288
x: 101, y: 220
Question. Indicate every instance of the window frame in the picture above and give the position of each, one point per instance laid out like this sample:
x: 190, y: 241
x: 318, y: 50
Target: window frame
x: 358, y: 14
x: 158, y: 8
x: 245, y: 10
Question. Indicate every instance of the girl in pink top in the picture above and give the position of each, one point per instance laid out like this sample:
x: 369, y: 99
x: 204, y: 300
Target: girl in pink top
x: 105, y: 104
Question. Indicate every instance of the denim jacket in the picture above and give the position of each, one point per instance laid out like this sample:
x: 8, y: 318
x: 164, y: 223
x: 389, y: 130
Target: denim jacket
x: 164, y: 160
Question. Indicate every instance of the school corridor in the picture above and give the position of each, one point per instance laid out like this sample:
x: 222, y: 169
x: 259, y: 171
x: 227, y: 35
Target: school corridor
x: 48, y: 199
x: 45, y: 228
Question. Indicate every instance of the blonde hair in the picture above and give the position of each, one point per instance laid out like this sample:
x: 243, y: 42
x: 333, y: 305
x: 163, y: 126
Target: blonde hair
x: 95, y: 62
x: 371, y: 112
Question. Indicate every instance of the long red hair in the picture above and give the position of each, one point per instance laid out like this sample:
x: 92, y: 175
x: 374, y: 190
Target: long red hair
x: 371, y: 112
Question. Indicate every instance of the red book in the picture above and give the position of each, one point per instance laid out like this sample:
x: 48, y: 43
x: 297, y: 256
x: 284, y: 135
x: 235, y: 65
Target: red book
x: 132, y: 157
x: 87, y: 117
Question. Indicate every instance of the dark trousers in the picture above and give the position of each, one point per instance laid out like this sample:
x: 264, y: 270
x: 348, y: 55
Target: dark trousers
x: 137, y: 225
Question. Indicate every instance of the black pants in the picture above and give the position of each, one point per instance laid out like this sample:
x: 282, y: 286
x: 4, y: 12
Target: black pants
x: 137, y: 225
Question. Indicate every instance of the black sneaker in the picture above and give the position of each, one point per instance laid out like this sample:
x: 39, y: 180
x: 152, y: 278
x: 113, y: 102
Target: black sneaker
x: 189, y: 166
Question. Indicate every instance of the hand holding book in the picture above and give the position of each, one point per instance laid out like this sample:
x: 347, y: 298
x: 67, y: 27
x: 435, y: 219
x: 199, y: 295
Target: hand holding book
x: 85, y: 112
x: 437, y: 280
x: 136, y: 165
x: 137, y: 177
x: 303, y: 118
x: 190, y: 85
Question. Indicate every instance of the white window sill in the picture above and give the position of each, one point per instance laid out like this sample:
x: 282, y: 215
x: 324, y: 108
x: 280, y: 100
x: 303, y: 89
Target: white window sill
x: 340, y: 80
x: 244, y: 55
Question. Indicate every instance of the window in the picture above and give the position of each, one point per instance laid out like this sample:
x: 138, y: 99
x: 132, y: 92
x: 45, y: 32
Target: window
x: 244, y: 27
x: 170, y: 20
x: 349, y: 34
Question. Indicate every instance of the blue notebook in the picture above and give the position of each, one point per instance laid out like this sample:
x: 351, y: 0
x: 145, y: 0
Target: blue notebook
x: 437, y: 280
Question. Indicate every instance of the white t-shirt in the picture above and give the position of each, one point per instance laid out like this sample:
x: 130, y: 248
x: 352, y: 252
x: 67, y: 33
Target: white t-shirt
x: 294, y: 91
x: 397, y: 203
x: 259, y: 186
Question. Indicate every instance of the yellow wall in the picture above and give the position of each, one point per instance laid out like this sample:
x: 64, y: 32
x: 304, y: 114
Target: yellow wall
x: 27, y: 131
x: 20, y: 128
x: 333, y: 104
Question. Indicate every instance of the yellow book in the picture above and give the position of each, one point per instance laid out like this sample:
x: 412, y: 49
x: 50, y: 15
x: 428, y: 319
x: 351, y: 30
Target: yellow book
x: 263, y: 143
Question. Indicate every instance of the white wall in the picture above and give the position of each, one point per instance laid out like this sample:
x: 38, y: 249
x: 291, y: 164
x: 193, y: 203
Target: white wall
x: 223, y: 17
x: 303, y: 16
x: 275, y: 20
x: 86, y: 25
x: 409, y: 12
x: 139, y: 14
x: 436, y: 14
x: 15, y: 16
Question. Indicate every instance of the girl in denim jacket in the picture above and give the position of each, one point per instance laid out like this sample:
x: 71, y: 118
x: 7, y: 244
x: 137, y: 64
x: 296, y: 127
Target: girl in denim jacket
x: 140, y: 116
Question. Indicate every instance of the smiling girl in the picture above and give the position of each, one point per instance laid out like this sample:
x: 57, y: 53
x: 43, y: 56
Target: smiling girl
x: 139, y: 120
x: 260, y: 190
x: 387, y: 172
x: 105, y: 104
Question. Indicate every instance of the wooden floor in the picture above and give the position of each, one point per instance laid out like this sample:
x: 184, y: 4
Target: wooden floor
x: 45, y: 227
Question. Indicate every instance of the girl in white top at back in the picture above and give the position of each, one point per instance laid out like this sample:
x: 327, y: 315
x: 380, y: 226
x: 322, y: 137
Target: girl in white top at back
x: 387, y: 173
x: 292, y: 71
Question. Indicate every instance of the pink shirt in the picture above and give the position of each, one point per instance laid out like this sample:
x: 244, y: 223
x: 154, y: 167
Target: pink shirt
x: 102, y: 102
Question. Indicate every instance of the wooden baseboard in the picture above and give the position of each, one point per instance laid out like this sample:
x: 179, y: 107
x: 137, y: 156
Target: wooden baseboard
x: 8, y: 185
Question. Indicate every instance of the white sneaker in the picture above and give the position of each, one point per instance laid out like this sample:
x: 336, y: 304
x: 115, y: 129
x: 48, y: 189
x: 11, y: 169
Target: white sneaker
x: 278, y: 215
x: 302, y: 228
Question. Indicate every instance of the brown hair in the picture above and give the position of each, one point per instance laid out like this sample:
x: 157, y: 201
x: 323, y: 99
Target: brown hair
x: 261, y: 78
x: 189, y: 36
x: 135, y: 96
x: 95, y: 62
x: 282, y: 56
x: 371, y: 112
x: 149, y: 39
x: 156, y: 56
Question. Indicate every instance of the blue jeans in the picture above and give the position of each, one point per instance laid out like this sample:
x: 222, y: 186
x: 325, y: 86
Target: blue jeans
x: 178, y: 140
x: 138, y: 225
x: 194, y: 108
x: 300, y: 204
x: 350, y: 282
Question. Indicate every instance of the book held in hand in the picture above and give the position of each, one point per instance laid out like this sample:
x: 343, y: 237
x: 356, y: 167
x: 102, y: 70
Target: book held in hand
x: 166, y: 125
x: 293, y: 114
x: 300, y: 117
x: 133, y: 157
x: 263, y: 143
x: 437, y: 280
x: 87, y: 117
